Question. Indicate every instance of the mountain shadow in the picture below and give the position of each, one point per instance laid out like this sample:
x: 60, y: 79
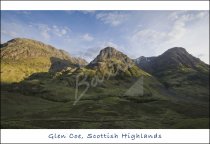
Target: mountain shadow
x: 58, y: 64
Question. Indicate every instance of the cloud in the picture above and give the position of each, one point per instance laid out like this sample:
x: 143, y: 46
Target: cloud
x: 180, y: 20
x: 12, y: 30
x: 49, y: 31
x: 60, y: 31
x: 88, y: 11
x: 87, y: 37
x: 135, y: 33
x: 9, y: 33
x: 34, y: 30
x: 148, y: 36
x: 111, y: 18
x: 71, y: 12
x: 186, y: 16
x: 188, y: 30
x: 24, y: 12
x: 90, y: 52
x: 44, y: 30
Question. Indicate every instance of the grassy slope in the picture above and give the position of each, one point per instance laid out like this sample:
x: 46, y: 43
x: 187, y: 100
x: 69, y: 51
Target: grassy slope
x: 187, y: 83
x: 106, y: 112
x: 46, y: 101
x: 104, y: 106
x: 16, y: 71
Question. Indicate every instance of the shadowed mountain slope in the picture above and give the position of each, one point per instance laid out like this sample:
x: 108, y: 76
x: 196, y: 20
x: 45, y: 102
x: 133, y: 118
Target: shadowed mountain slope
x: 173, y: 58
x: 178, y: 70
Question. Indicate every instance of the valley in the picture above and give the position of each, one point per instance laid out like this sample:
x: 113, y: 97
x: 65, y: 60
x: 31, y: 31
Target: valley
x: 43, y: 87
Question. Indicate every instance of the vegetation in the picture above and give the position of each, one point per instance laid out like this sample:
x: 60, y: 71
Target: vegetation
x: 22, y: 57
x: 113, y: 92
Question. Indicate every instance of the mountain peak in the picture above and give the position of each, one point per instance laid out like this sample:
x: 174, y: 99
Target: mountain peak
x: 16, y: 41
x: 173, y: 58
x: 176, y: 50
x: 178, y: 56
x: 110, y: 60
x: 20, y: 48
x: 20, y: 39
x: 109, y: 48
x: 110, y: 53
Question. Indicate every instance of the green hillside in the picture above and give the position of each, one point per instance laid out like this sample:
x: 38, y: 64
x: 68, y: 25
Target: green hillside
x: 54, y: 91
x: 22, y: 57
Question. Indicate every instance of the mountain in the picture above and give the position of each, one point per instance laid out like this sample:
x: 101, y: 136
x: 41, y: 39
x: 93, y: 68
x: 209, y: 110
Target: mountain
x: 144, y: 63
x: 52, y: 90
x: 22, y: 57
x: 113, y: 61
x: 111, y: 53
x: 108, y: 68
x: 180, y: 72
x: 173, y: 58
x: 113, y: 69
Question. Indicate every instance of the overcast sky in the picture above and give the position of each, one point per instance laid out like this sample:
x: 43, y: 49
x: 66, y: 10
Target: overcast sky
x: 136, y: 33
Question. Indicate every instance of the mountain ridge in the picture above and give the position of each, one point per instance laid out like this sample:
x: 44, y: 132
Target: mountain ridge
x: 21, y: 57
x: 171, y: 59
x: 180, y: 72
x: 55, y: 93
x: 27, y: 48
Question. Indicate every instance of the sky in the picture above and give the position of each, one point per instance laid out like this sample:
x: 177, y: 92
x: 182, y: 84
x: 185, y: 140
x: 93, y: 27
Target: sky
x: 135, y: 33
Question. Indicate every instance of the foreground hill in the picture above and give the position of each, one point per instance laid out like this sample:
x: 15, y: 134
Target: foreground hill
x: 22, y: 57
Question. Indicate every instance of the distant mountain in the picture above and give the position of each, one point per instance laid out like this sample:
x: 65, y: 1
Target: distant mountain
x: 144, y: 63
x: 114, y: 61
x: 21, y: 57
x: 179, y: 71
x: 173, y: 58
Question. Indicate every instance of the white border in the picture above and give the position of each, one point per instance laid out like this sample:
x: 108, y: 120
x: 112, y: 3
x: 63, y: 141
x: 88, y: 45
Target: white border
x: 105, y: 5
x: 168, y: 135
x: 41, y: 136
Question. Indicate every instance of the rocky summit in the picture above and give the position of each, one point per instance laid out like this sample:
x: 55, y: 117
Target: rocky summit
x: 111, y: 59
x: 111, y: 53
